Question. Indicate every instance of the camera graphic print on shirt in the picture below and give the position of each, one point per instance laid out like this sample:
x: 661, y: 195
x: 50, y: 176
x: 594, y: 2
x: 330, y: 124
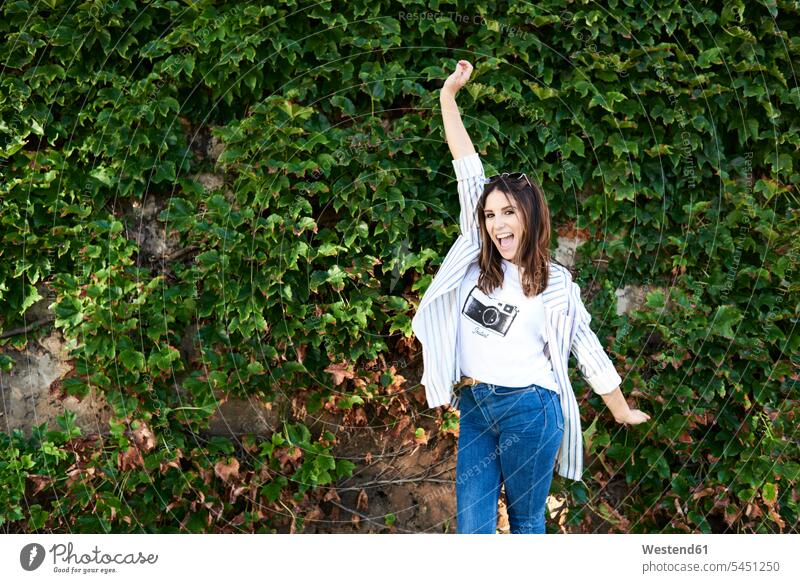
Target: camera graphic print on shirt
x: 488, y: 313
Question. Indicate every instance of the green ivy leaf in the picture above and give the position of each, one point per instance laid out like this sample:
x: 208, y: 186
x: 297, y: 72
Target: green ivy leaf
x: 770, y: 493
x: 163, y: 358
x: 724, y: 319
x: 133, y: 360
x: 655, y: 299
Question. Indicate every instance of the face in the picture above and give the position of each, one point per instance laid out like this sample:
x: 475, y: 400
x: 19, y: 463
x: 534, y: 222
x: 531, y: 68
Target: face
x: 502, y: 217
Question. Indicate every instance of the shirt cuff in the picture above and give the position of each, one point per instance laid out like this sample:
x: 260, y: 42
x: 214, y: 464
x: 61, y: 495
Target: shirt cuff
x: 604, y: 382
x: 468, y: 166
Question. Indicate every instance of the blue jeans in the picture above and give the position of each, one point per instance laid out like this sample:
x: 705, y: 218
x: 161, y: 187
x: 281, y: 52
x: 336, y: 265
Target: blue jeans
x: 507, y: 435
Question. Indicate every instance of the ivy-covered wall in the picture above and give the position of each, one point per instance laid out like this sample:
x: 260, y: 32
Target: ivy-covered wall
x: 664, y: 134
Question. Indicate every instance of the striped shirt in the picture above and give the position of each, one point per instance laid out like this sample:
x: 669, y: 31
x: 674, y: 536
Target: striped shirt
x: 435, y: 324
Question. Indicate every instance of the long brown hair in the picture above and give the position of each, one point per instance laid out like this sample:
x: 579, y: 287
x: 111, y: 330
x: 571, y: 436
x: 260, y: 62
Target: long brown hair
x: 533, y: 250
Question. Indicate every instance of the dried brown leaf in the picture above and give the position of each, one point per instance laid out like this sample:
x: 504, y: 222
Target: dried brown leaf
x: 339, y: 372
x: 143, y: 437
x: 227, y: 471
x: 331, y: 494
x: 130, y: 459
x: 40, y: 482
x: 362, y: 502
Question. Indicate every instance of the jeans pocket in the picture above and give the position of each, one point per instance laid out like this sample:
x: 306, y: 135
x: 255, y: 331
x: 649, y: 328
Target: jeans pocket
x: 501, y: 391
x: 464, y: 398
x: 524, y: 412
x: 467, y: 405
x: 559, y: 414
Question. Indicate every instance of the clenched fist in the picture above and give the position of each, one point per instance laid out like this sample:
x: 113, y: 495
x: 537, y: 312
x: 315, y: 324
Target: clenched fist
x: 458, y: 79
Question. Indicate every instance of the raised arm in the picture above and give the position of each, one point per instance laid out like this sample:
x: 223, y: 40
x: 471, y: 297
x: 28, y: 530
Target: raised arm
x: 454, y: 130
x: 466, y: 162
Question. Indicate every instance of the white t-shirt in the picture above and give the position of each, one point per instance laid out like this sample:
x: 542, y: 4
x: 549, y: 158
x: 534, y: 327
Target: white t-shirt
x: 502, y: 337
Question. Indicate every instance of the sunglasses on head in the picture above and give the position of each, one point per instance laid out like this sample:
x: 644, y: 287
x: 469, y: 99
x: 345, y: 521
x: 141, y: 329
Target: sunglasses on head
x: 513, y: 176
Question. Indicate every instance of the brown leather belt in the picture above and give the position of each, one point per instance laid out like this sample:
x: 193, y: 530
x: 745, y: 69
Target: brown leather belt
x: 464, y: 382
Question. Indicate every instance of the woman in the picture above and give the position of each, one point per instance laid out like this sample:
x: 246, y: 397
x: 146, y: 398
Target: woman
x: 497, y: 325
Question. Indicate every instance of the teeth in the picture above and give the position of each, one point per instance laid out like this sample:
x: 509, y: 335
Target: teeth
x: 504, y: 235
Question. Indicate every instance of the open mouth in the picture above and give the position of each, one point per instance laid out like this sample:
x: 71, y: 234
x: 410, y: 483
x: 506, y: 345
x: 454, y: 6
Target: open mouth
x: 505, y: 241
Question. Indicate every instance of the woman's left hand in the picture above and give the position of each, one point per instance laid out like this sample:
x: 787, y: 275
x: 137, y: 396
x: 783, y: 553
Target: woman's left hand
x: 632, y: 417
